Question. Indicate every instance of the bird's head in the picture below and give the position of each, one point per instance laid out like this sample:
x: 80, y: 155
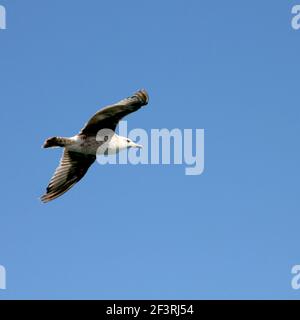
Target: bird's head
x: 130, y: 144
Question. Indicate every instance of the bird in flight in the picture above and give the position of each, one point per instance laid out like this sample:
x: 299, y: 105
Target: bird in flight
x: 98, y: 134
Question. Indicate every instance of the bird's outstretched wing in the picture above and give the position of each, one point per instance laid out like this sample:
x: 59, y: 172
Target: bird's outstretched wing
x: 73, y: 166
x: 109, y: 117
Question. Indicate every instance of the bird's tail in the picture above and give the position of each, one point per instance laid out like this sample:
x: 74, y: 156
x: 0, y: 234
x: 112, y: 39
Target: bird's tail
x: 53, y: 142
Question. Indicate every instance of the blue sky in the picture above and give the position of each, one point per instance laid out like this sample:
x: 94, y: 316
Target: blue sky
x: 139, y: 232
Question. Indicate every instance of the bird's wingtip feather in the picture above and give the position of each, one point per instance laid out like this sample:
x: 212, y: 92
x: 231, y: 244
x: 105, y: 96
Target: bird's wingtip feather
x: 143, y: 96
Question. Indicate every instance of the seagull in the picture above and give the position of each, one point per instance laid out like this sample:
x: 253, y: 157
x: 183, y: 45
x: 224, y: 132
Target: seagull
x: 81, y: 150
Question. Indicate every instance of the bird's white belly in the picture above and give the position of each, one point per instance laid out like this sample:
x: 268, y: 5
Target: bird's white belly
x: 91, y: 146
x: 86, y: 146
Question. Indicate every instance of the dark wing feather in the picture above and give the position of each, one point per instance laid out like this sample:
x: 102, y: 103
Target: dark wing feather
x: 109, y: 117
x: 73, y: 166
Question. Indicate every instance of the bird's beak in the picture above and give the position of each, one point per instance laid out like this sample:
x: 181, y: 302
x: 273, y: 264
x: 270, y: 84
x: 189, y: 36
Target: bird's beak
x: 135, y: 145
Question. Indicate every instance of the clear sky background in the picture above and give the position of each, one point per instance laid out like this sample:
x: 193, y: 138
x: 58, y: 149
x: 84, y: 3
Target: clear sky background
x: 230, y: 67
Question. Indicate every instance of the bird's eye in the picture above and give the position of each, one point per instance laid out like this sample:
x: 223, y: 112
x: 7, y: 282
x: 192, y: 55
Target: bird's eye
x: 128, y: 140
